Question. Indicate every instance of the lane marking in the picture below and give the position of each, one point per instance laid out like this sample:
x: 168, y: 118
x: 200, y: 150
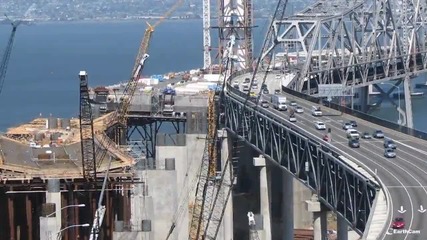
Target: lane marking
x: 409, y: 146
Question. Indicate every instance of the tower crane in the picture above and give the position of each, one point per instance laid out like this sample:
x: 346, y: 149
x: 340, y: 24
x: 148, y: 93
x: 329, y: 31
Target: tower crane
x: 120, y: 115
x: 6, y: 57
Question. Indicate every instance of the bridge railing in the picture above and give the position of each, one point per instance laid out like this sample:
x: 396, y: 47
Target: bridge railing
x: 361, y: 115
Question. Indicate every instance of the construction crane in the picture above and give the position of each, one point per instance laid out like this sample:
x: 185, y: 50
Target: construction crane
x: 6, y: 57
x: 131, y: 86
x: 206, y: 187
x: 253, y: 233
x: 87, y: 140
x: 120, y: 115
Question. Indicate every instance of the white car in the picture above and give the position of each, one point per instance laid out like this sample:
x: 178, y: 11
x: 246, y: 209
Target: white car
x: 320, y: 125
x: 299, y: 109
x: 292, y: 118
x: 352, y: 133
x: 315, y: 111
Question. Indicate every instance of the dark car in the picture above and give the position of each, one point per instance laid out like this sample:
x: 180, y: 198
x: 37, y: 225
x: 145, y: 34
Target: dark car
x: 353, y: 123
x: 265, y: 91
x: 277, y: 91
x: 353, y: 143
x: 398, y: 223
x: 388, y: 143
x: 378, y: 134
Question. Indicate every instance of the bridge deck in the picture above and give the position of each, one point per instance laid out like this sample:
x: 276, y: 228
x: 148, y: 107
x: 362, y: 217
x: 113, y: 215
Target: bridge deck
x: 405, y: 177
x: 62, y: 159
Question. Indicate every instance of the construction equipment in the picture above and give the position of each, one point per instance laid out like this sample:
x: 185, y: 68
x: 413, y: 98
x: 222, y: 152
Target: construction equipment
x: 253, y: 233
x: 120, y: 115
x: 131, y: 86
x: 87, y: 140
x: 6, y: 57
x: 206, y: 187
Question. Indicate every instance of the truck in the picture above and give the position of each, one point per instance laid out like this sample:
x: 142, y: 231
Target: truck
x: 279, y: 102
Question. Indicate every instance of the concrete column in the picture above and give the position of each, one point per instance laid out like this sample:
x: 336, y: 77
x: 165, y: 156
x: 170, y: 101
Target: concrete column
x: 319, y: 218
x: 342, y: 228
x: 227, y: 222
x: 363, y: 99
x: 408, y: 102
x: 264, y: 197
x: 287, y: 206
x: 50, y: 226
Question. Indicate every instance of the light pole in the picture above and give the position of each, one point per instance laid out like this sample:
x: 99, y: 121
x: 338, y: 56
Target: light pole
x: 58, y: 235
x: 74, y: 205
x: 399, y: 121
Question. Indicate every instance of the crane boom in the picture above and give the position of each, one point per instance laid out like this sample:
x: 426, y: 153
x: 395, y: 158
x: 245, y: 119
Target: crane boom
x: 130, y: 88
x: 120, y: 115
x: 7, y: 53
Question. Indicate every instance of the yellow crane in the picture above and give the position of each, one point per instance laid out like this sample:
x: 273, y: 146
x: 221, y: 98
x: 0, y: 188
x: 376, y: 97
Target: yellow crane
x: 139, y: 64
x: 120, y: 115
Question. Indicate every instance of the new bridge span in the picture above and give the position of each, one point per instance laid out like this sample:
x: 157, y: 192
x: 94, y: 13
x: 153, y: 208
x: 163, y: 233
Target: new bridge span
x: 403, y: 179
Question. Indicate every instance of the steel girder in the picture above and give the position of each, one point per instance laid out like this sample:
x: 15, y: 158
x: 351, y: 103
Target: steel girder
x: 354, y: 43
x: 339, y: 186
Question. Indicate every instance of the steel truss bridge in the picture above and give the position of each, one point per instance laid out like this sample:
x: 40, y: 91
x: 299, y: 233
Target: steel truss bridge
x: 354, y: 43
x: 314, y: 163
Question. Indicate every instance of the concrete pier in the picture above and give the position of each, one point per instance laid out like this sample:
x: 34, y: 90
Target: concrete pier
x: 155, y: 207
x: 264, y: 198
x: 287, y: 206
x: 226, y: 228
x: 50, y: 221
x: 320, y: 224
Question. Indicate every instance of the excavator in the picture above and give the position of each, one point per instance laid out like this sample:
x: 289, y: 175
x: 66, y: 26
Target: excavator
x: 120, y: 115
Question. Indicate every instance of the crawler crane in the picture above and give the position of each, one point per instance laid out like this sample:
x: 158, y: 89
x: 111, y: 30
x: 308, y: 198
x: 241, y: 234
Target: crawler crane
x: 120, y: 115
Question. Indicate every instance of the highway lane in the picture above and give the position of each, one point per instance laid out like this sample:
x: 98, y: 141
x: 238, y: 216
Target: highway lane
x: 406, y: 175
x: 306, y: 121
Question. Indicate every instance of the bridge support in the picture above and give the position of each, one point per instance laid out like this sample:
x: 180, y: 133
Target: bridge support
x: 50, y: 221
x: 408, y: 102
x: 342, y: 228
x: 319, y: 218
x: 360, y: 101
x: 287, y: 206
x: 264, y: 197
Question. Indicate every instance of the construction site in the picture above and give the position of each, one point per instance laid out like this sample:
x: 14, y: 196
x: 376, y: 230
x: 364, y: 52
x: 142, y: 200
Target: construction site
x: 146, y: 161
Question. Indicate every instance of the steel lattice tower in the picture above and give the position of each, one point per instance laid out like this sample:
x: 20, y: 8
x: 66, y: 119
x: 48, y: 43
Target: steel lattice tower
x: 235, y: 18
x: 206, y: 34
x: 86, y: 130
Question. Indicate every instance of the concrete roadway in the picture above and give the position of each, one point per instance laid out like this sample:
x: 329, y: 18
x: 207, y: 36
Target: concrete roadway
x: 405, y: 176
